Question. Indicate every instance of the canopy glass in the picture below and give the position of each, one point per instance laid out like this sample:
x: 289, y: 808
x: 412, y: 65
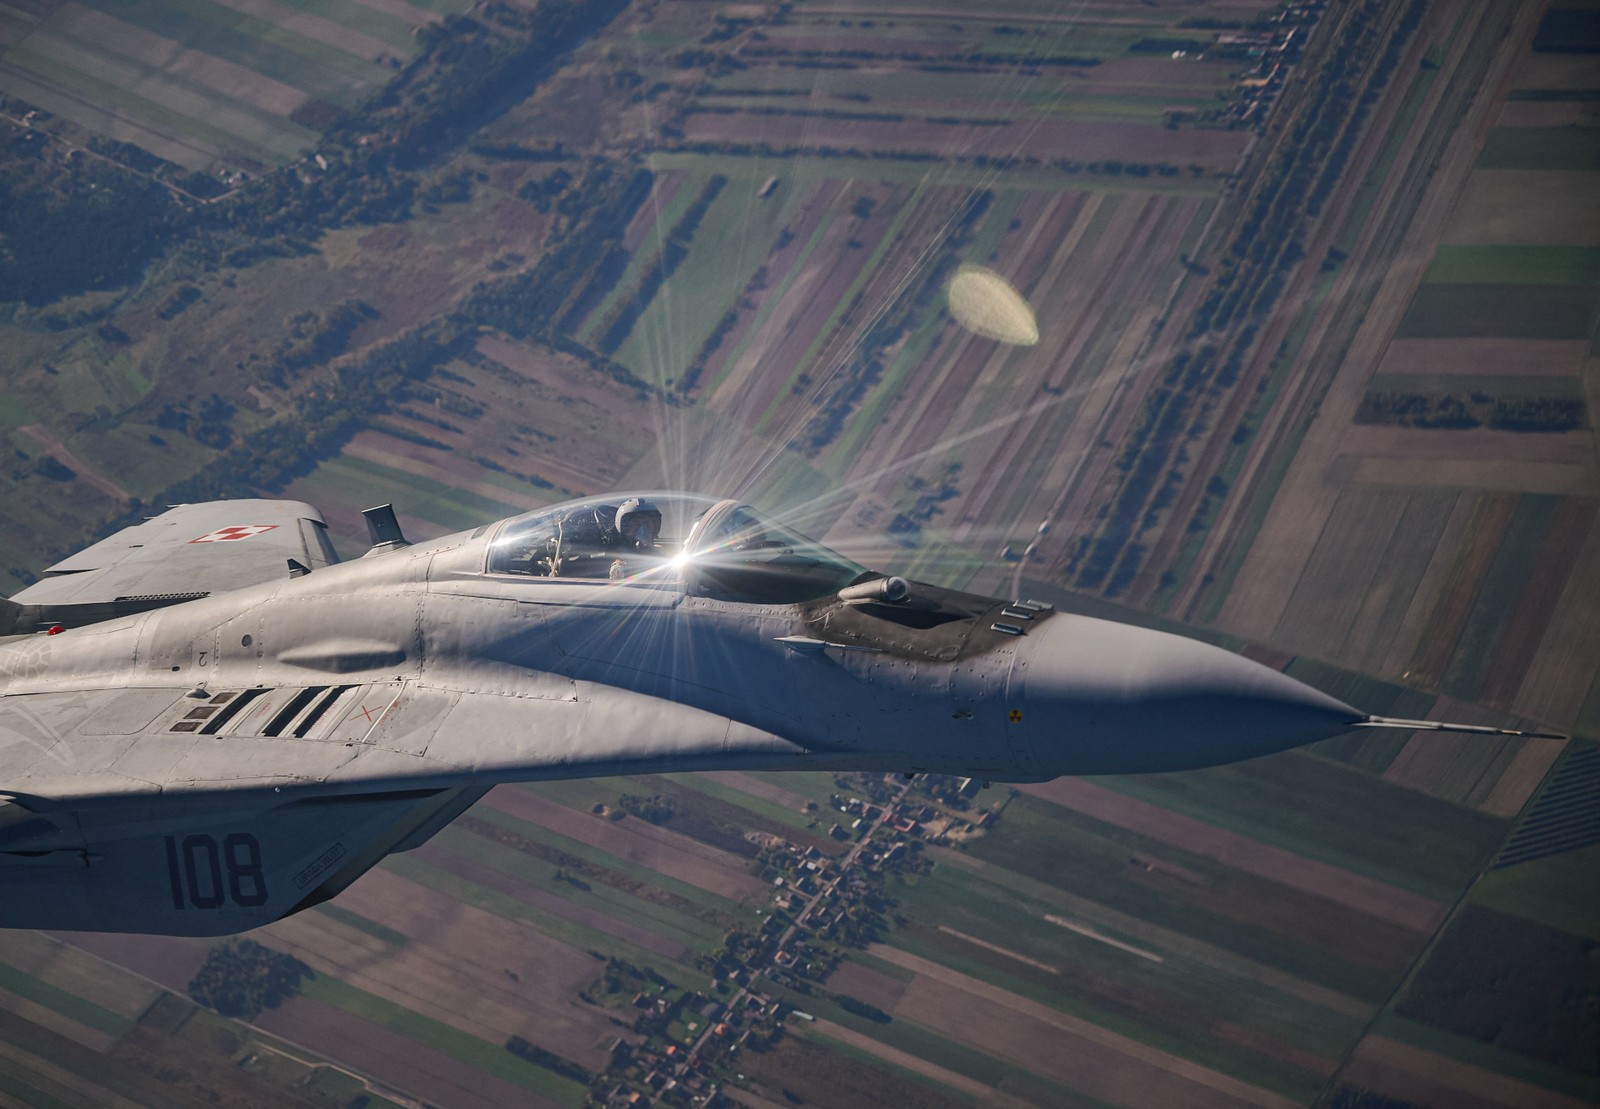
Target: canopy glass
x: 708, y: 547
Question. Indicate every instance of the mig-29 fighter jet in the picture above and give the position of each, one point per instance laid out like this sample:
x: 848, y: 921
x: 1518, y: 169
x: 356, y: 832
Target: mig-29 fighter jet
x: 208, y: 722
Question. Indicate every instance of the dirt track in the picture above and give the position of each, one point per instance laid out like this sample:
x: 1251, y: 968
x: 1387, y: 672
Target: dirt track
x: 58, y: 450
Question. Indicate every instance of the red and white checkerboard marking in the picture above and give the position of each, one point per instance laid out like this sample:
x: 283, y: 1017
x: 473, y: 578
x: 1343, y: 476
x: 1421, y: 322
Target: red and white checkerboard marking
x: 238, y: 531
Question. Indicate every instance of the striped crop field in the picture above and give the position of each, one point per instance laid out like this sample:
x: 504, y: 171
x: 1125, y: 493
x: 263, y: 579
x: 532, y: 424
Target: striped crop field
x: 224, y: 85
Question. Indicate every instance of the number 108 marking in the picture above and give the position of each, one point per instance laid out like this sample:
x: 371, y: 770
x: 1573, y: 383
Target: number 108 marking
x: 196, y: 868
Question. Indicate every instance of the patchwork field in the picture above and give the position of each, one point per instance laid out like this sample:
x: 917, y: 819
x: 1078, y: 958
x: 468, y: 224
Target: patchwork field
x: 215, y: 87
x: 1317, y: 296
x: 1105, y: 916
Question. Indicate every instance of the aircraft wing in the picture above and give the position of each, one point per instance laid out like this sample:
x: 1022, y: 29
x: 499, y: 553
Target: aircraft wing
x: 201, y: 867
x: 150, y: 810
x: 184, y: 553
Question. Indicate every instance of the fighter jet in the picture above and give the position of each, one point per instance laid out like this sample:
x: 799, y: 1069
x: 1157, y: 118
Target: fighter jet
x: 208, y: 722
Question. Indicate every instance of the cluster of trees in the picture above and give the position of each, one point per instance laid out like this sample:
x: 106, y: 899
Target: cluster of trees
x: 1248, y: 281
x: 453, y: 189
x: 240, y: 978
x: 621, y: 976
x: 134, y: 157
x: 199, y: 186
x: 316, y: 336
x: 1112, y: 167
x: 1189, y: 391
x: 654, y: 809
x: 88, y: 224
x: 801, y: 113
x: 209, y: 425
x: 322, y: 422
x: 511, y: 152
x: 981, y: 60
x: 1474, y: 410
x: 50, y: 468
x: 181, y: 298
x: 724, y: 28
x: 577, y: 272
x: 861, y: 1008
x: 1271, y: 239
x: 74, y: 227
x: 539, y: 1057
x: 470, y: 70
x: 475, y: 67
x: 1169, y: 45
x: 543, y: 191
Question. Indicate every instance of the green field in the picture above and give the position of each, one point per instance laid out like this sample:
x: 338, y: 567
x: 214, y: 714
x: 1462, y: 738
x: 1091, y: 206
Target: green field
x: 1511, y: 1063
x: 492, y: 1059
x: 733, y: 240
x: 172, y: 103
x: 451, y: 508
x: 592, y: 891
x: 1515, y: 265
x: 363, y: 924
x: 1192, y: 949
x: 1558, y: 890
x: 1568, y: 148
x: 1501, y: 311
x: 1137, y: 997
x: 510, y: 908
x: 915, y: 1040
x: 1503, y: 586
x: 1494, y: 385
x: 710, y: 904
x: 70, y: 1005
x: 1088, y: 858
x: 1334, y: 814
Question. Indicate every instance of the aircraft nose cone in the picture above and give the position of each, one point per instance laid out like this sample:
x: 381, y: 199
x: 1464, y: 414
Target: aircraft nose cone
x: 1098, y: 697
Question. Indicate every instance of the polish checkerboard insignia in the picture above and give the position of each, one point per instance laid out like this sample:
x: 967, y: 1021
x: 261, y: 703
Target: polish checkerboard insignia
x: 238, y: 531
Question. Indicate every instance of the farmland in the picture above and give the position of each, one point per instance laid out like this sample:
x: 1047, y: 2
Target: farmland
x: 1074, y: 919
x: 211, y: 87
x: 1308, y: 292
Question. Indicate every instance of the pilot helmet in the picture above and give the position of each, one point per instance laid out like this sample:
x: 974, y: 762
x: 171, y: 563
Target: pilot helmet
x: 639, y: 523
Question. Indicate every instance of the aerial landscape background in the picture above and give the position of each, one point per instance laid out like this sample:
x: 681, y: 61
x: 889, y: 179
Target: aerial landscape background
x: 1316, y: 290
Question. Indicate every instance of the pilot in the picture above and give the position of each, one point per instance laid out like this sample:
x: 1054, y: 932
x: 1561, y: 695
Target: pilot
x: 638, y: 525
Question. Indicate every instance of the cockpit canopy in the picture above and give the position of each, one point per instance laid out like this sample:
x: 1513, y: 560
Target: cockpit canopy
x: 710, y: 548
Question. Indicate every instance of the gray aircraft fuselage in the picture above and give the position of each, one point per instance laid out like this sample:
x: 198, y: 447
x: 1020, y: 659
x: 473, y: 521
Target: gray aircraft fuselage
x: 212, y: 765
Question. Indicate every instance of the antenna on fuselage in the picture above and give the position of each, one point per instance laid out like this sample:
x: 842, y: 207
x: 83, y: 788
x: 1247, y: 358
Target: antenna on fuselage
x: 383, y: 529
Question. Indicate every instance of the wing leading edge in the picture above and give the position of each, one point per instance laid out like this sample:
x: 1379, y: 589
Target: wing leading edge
x: 186, y: 552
